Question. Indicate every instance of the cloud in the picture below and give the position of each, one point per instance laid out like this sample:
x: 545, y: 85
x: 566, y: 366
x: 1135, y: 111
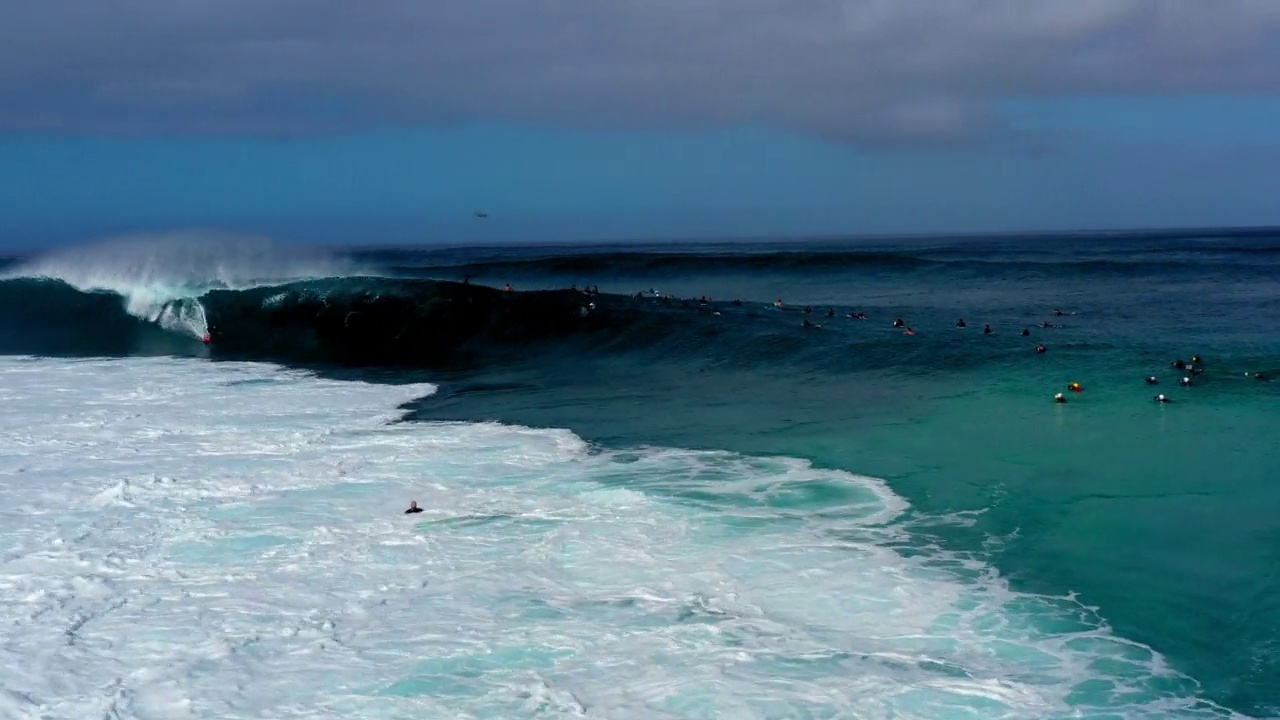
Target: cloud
x: 880, y: 71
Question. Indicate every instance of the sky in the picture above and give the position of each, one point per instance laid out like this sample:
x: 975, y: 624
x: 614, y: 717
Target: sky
x: 393, y: 122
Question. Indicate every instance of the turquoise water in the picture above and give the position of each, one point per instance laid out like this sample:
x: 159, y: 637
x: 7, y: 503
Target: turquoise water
x: 1164, y: 517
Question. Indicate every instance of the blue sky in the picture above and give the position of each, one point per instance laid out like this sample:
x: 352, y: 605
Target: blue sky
x: 1053, y: 118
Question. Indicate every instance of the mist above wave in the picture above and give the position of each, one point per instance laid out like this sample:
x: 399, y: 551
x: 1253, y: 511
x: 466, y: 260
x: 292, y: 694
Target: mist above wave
x: 183, y: 263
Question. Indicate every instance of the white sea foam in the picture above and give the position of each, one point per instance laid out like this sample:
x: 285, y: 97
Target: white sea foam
x: 186, y: 539
x: 160, y: 277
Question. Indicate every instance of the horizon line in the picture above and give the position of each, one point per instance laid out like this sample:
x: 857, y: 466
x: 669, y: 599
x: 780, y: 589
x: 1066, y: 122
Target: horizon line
x: 1149, y: 233
x: 1207, y: 232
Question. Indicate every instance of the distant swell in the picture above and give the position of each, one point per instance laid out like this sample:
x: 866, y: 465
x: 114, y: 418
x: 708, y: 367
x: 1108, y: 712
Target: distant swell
x: 658, y: 264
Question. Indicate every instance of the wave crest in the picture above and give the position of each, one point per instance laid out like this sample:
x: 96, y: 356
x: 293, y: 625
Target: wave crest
x: 161, y: 276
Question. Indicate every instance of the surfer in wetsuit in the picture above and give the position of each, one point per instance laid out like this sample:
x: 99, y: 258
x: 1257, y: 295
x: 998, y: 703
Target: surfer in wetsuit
x: 986, y: 329
x: 899, y: 322
x: 960, y: 323
x: 413, y: 508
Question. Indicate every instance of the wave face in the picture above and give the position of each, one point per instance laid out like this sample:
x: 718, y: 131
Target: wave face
x: 255, y: 299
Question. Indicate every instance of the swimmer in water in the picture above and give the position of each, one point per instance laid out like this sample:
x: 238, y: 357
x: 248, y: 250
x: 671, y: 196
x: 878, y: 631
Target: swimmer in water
x: 1026, y: 332
x: 778, y: 303
x: 1185, y: 382
x: 1161, y: 399
x: 1151, y: 380
x: 899, y: 322
x: 908, y: 331
x: 1260, y: 376
x: 1040, y: 350
x: 831, y: 312
x: 1179, y: 364
x: 1060, y: 398
x: 413, y: 508
x: 807, y: 309
x: 960, y: 323
x: 1046, y: 324
x: 986, y: 329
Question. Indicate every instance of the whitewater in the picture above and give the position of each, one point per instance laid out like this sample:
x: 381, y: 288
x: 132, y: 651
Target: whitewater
x: 183, y: 538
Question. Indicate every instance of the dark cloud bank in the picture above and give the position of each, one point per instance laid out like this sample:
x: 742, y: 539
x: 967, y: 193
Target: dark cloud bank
x: 869, y: 70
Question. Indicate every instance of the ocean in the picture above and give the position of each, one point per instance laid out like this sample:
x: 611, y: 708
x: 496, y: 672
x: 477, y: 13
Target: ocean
x: 647, y: 490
